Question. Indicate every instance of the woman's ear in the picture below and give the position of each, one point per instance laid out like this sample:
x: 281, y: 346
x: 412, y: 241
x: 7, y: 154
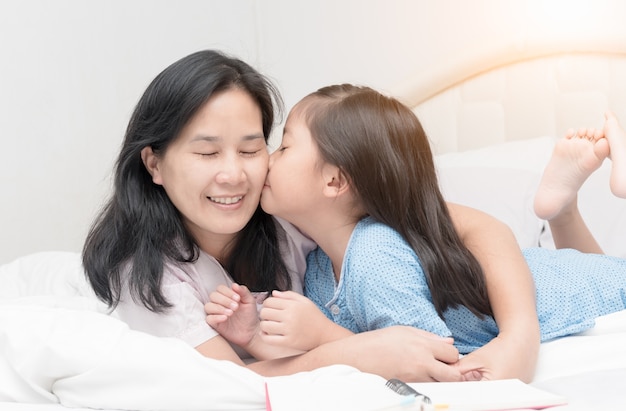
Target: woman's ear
x: 336, y: 182
x: 151, y: 162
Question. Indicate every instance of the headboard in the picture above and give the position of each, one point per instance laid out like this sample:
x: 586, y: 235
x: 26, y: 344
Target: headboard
x: 518, y: 91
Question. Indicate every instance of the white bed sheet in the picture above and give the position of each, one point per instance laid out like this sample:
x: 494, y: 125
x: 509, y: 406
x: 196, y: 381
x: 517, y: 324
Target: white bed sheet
x: 63, y: 351
x: 587, y: 391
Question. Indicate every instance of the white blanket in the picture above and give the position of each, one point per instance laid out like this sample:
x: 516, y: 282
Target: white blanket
x: 58, y: 345
x: 61, y: 351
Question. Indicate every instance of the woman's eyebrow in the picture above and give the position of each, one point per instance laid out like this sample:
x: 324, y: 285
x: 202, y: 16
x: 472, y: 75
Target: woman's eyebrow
x: 254, y: 136
x: 249, y: 137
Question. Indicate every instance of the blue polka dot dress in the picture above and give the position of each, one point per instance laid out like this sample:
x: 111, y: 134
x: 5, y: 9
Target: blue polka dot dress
x: 382, y: 284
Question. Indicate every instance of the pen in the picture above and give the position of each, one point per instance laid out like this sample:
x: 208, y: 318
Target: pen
x: 403, y: 388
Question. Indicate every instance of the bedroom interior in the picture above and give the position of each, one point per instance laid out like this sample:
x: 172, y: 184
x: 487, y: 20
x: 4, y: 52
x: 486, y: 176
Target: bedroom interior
x: 494, y: 84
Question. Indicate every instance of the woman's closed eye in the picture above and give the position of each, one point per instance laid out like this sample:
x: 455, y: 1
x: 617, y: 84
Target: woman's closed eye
x: 250, y: 153
x: 208, y: 154
x: 216, y: 153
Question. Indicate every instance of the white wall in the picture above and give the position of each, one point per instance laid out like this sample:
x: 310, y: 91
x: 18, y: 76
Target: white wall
x: 70, y: 74
x: 72, y: 70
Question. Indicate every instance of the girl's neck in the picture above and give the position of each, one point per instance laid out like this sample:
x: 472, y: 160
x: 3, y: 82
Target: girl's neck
x: 333, y: 238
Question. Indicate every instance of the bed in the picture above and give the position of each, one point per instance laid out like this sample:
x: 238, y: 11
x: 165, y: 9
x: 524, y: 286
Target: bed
x: 492, y: 118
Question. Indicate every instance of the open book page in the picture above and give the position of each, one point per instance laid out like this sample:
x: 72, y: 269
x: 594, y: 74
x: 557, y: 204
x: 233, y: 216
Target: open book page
x: 487, y: 395
x: 344, y: 388
x: 335, y: 388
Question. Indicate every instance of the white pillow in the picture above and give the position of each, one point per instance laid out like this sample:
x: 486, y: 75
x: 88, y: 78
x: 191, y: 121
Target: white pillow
x: 506, y: 194
x: 500, y: 180
x: 44, y: 273
x: 531, y: 155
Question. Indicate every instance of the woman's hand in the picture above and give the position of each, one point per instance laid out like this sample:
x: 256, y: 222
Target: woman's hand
x: 415, y: 355
x: 232, y: 312
x: 291, y: 320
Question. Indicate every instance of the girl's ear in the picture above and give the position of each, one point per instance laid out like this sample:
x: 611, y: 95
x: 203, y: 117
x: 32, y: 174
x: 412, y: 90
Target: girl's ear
x: 336, y: 182
x: 151, y: 162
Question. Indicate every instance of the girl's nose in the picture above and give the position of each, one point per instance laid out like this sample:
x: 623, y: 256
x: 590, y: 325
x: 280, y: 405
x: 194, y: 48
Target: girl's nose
x: 271, y: 161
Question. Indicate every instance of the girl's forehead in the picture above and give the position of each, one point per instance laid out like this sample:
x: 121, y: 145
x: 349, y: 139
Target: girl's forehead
x: 303, y: 107
x: 296, y: 113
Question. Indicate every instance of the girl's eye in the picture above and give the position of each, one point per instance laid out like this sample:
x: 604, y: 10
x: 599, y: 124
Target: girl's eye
x: 212, y: 154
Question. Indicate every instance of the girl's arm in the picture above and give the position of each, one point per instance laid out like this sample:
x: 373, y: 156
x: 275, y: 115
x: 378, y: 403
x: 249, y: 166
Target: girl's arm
x: 513, y: 353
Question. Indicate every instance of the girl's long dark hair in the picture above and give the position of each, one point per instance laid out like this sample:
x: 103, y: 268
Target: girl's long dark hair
x: 139, y: 229
x: 381, y: 147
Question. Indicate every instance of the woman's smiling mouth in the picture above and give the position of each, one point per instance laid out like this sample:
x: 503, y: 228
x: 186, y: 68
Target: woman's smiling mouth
x: 226, y: 200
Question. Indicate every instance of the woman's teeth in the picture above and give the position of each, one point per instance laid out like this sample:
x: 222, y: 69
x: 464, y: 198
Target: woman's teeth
x: 225, y: 200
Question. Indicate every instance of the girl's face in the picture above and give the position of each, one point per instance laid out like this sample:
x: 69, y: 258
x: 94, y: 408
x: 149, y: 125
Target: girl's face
x: 215, y: 169
x: 295, y: 179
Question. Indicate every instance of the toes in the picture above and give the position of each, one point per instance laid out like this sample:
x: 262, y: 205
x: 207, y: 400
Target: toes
x: 601, y: 148
x: 589, y: 134
x: 570, y: 133
x: 598, y: 135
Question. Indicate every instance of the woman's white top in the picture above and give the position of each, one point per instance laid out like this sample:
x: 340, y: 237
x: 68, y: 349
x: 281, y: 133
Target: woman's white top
x: 188, y: 286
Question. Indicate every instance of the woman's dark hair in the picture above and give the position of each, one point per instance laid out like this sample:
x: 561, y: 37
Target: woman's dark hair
x: 380, y: 145
x: 139, y: 229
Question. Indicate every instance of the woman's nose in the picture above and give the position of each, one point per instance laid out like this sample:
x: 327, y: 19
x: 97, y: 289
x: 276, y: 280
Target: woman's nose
x: 231, y: 171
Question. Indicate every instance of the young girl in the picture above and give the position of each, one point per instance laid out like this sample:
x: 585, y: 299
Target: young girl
x: 184, y: 217
x: 356, y: 174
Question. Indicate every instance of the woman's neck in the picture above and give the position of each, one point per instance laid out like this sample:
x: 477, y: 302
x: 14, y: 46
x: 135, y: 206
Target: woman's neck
x: 215, y: 245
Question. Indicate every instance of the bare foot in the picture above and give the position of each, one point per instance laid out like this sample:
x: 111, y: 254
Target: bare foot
x: 574, y: 158
x: 617, y: 141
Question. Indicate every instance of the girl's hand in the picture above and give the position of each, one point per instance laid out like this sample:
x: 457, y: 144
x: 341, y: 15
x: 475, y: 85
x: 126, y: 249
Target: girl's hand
x: 291, y: 320
x: 501, y: 358
x: 232, y: 312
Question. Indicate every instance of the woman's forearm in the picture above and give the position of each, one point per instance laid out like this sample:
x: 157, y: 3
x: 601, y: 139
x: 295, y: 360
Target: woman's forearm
x: 393, y: 352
